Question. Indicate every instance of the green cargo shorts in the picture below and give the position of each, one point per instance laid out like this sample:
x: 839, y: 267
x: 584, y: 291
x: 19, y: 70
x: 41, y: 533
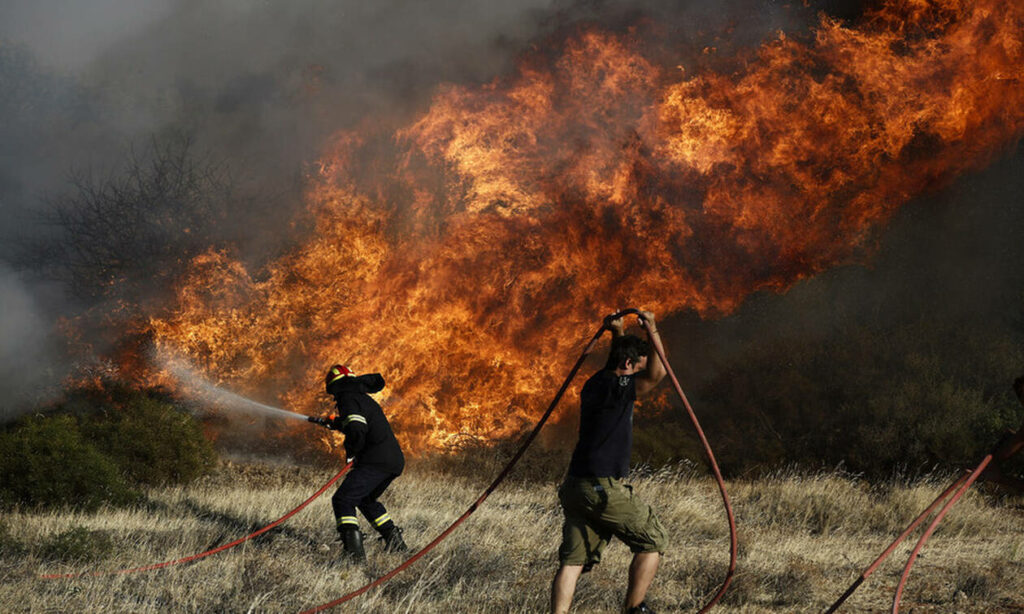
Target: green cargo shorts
x: 597, y: 509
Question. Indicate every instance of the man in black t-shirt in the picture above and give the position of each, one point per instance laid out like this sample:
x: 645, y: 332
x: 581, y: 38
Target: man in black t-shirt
x: 595, y: 499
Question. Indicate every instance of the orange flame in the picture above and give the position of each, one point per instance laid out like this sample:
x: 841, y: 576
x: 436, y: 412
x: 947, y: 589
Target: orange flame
x: 466, y: 255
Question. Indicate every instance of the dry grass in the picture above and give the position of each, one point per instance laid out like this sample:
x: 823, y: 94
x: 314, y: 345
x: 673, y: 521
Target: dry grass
x: 803, y: 540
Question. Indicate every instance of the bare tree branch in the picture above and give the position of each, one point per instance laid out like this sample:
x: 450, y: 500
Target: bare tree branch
x: 128, y: 234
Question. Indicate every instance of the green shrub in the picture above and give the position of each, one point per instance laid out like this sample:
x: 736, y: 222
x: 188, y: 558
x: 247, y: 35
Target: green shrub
x: 77, y: 544
x: 98, y: 446
x: 45, y: 461
x: 903, y: 398
x: 151, y: 441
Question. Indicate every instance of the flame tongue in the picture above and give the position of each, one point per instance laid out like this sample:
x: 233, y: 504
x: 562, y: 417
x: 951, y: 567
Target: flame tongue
x: 464, y: 256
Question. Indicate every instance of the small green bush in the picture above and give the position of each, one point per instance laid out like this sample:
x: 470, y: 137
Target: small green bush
x: 77, y: 544
x: 97, y: 447
x: 151, y: 441
x: 877, y: 400
x: 45, y: 461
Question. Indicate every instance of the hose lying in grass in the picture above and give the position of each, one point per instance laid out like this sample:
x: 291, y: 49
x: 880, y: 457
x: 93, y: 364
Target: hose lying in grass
x: 201, y: 555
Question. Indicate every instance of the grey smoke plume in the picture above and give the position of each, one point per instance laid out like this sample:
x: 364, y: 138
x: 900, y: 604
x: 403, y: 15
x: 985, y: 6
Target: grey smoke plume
x: 29, y: 370
x: 68, y: 35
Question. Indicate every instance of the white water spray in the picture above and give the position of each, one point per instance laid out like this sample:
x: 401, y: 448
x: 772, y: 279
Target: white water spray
x: 202, y: 389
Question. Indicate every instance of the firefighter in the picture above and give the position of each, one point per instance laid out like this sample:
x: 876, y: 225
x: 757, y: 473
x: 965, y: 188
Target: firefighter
x: 596, y: 501
x: 378, y: 461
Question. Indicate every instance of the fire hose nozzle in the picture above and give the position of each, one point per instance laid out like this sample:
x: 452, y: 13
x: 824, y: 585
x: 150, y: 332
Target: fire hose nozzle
x: 325, y: 422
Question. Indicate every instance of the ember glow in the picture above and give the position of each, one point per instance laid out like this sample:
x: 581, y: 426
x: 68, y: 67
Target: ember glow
x: 467, y: 255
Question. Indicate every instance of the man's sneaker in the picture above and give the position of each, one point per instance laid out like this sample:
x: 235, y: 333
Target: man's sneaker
x: 640, y: 609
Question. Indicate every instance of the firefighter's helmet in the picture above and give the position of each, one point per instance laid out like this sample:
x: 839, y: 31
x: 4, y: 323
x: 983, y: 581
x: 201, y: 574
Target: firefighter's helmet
x: 337, y: 372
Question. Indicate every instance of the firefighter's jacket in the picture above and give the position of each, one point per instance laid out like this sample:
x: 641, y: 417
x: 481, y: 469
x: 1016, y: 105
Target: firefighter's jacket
x: 368, y: 436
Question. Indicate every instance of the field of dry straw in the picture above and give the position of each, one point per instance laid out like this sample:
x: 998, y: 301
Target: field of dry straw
x: 802, y: 539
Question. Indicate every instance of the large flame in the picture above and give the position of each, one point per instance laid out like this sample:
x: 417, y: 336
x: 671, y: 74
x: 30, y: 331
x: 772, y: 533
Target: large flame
x: 467, y: 254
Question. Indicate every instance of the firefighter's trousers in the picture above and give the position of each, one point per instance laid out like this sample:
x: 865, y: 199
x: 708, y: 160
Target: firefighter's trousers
x: 361, y: 489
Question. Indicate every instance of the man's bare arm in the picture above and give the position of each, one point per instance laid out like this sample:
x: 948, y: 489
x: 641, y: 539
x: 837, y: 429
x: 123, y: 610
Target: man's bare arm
x: 655, y: 372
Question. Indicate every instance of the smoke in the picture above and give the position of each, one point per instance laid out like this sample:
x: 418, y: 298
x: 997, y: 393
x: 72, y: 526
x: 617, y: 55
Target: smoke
x: 84, y: 87
x: 68, y: 35
x: 259, y: 84
x: 29, y: 367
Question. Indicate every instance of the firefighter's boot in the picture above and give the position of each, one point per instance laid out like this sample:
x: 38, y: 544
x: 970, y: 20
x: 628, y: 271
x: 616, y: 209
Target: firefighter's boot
x: 393, y: 541
x: 352, y: 542
x: 643, y: 608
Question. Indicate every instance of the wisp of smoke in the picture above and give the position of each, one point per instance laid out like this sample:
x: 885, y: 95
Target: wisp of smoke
x: 196, y: 386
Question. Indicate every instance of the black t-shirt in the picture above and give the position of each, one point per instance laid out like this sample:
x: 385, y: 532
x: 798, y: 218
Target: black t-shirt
x: 606, y: 427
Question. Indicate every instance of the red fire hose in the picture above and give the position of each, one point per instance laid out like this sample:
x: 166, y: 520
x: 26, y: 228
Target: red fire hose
x: 885, y: 554
x: 522, y: 449
x: 957, y: 488
x: 931, y: 528
x: 207, y: 553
